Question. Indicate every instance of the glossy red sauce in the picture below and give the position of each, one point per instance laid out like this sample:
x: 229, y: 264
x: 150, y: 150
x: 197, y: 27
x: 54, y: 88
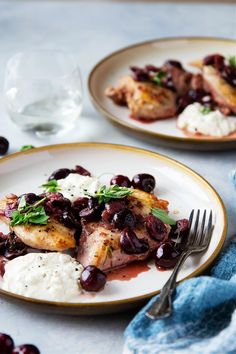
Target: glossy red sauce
x: 128, y: 272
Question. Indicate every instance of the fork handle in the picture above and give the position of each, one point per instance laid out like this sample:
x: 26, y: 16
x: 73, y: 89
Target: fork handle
x: 162, y: 307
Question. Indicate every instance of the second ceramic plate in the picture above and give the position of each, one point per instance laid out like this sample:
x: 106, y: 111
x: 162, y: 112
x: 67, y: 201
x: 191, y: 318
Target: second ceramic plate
x: 108, y: 71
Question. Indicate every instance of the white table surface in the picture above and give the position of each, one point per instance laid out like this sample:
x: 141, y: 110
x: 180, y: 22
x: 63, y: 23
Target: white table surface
x: 92, y: 31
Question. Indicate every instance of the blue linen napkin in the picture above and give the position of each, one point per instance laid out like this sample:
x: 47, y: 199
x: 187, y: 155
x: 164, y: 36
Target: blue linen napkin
x: 203, y: 320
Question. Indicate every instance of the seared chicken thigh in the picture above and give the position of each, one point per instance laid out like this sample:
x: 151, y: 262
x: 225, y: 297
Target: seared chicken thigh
x: 145, y: 100
x: 222, y: 92
x: 100, y: 246
x: 51, y: 237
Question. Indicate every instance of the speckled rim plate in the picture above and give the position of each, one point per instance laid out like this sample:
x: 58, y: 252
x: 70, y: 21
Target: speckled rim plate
x: 184, y: 188
x: 164, y: 132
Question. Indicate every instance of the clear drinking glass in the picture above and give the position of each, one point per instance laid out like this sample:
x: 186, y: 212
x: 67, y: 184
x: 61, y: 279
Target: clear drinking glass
x: 43, y: 91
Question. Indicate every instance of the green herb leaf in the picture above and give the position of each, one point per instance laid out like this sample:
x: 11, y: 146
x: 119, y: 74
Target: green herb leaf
x: 51, y: 186
x: 105, y: 194
x: 108, y: 251
x: 163, y: 216
x: 157, y: 79
x: 26, y: 147
x: 232, y: 61
x: 26, y: 213
x: 205, y: 110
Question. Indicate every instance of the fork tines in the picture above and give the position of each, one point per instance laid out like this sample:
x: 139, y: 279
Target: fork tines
x: 201, y: 227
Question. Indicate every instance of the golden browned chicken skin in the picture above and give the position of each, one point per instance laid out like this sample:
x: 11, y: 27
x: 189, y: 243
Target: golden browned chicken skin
x: 51, y: 237
x: 222, y: 92
x: 145, y: 100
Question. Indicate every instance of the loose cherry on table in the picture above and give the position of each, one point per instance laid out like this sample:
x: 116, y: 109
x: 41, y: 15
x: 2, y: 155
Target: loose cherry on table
x: 7, y: 346
x: 4, y: 145
x: 25, y: 349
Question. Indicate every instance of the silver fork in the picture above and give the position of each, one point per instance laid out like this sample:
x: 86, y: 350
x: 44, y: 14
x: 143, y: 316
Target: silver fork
x: 198, y: 241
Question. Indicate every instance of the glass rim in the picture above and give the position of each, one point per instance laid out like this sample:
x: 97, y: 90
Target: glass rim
x: 66, y: 54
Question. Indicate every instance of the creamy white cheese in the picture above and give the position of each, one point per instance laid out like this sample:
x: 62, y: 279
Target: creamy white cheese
x: 48, y: 276
x: 214, y: 123
x: 75, y: 186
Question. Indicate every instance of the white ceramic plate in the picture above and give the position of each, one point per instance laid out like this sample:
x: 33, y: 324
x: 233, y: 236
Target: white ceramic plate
x: 183, y: 188
x: 108, y: 71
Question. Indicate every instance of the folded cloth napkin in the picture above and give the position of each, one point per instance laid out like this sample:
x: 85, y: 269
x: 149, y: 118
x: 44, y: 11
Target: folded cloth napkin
x: 203, y: 319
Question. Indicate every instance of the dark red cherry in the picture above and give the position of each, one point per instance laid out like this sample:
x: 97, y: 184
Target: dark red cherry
x: 55, y: 204
x: 4, y: 145
x: 81, y: 171
x: 183, y: 102
x: 181, y: 228
x: 144, y: 181
x: 3, y: 239
x: 139, y: 74
x: 166, y: 255
x: 229, y: 74
x: 156, y: 228
x: 14, y: 247
x: 89, y: 214
x: 174, y: 63
x: 26, y: 349
x: 30, y: 198
x: 114, y: 206
x: 92, y: 279
x: 6, y: 344
x: 120, y: 180
x: 111, y: 208
x: 131, y: 244
x: 81, y: 203
x: 61, y: 203
x: 69, y: 220
x: 60, y: 174
x: 152, y: 68
x: 215, y: 60
x: 93, y: 210
x: 124, y: 218
x: 197, y: 95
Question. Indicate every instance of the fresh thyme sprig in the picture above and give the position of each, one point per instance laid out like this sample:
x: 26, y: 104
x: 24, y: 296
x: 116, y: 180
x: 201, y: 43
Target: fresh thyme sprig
x: 232, y: 61
x: 163, y: 216
x: 51, y: 186
x: 29, y: 214
x: 205, y: 110
x: 26, y: 147
x: 105, y: 194
x: 157, y: 79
